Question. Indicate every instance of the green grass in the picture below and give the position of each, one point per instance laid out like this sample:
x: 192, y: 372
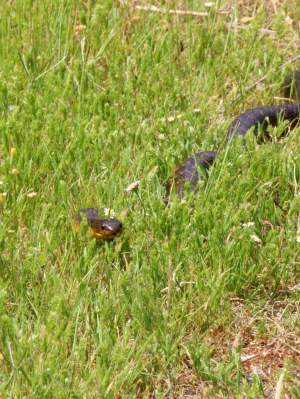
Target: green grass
x: 171, y: 307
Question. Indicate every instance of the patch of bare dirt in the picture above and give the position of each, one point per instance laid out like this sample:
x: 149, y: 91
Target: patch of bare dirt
x: 267, y: 341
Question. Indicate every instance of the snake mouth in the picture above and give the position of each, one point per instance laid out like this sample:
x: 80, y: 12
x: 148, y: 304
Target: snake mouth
x: 101, y: 229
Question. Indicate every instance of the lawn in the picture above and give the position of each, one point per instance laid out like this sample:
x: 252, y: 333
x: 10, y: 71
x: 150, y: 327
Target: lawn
x: 200, y: 299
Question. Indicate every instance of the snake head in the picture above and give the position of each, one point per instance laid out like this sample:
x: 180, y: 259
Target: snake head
x: 101, y: 229
x: 105, y: 229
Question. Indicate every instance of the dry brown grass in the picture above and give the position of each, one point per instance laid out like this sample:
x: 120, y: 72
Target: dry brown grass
x: 267, y: 339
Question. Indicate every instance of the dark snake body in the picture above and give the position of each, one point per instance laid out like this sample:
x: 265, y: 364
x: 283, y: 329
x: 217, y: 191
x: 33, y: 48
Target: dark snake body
x: 187, y: 175
x: 263, y: 116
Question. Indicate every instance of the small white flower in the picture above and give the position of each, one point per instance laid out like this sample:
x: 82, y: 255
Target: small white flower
x: 249, y: 224
x: 32, y: 194
x: 172, y: 118
x: 109, y: 212
x: 255, y: 238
